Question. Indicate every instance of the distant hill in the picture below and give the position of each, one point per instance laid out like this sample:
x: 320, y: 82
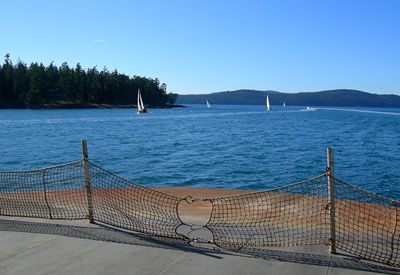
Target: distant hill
x: 342, y: 97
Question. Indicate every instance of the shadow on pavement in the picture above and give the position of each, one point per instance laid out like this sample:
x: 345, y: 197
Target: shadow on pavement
x: 110, y: 234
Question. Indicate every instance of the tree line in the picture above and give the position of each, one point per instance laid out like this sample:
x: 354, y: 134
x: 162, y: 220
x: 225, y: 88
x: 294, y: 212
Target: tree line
x: 38, y: 85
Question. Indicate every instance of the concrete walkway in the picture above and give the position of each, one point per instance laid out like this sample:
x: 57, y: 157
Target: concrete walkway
x: 39, y: 246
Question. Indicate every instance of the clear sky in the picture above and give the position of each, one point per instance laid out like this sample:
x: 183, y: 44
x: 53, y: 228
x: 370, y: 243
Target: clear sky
x: 205, y: 46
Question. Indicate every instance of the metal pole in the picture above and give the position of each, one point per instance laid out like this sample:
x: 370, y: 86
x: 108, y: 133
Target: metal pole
x: 87, y: 180
x: 331, y: 198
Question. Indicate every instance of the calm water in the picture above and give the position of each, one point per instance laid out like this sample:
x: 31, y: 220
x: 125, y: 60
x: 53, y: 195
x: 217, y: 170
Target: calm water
x: 227, y: 146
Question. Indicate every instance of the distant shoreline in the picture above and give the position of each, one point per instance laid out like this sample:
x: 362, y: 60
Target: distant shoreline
x: 338, y: 98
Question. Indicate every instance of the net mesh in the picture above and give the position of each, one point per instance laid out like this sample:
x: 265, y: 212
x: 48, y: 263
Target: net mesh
x: 53, y: 193
x: 125, y: 204
x: 366, y: 225
x: 287, y: 216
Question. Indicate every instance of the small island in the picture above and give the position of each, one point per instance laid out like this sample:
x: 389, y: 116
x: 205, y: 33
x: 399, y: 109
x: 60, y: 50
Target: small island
x: 52, y: 87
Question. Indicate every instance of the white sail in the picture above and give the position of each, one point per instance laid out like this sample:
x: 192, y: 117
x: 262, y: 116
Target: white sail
x: 268, y: 106
x: 140, y: 105
x: 284, y: 104
x: 208, y: 105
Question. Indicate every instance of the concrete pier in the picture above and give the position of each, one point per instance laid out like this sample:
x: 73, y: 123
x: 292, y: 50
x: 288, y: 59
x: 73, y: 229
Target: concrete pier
x: 40, y: 246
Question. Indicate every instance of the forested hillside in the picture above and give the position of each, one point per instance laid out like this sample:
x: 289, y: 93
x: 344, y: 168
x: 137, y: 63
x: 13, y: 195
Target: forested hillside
x: 343, y: 97
x: 40, y: 86
x: 37, y: 85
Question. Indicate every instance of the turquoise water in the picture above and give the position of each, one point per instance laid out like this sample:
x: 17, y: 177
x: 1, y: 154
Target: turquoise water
x: 241, y: 147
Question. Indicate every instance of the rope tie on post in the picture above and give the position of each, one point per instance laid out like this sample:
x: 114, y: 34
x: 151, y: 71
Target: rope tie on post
x: 327, y: 169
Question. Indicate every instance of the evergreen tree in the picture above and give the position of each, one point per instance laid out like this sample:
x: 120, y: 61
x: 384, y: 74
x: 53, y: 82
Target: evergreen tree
x: 21, y: 84
x: 37, y: 84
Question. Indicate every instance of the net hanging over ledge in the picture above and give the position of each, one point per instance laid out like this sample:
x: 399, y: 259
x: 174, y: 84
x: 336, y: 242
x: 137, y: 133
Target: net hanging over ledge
x: 286, y: 216
x: 52, y: 193
x: 366, y: 225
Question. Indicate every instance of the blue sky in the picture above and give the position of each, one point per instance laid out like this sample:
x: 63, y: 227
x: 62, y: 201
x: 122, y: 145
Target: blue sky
x: 210, y: 46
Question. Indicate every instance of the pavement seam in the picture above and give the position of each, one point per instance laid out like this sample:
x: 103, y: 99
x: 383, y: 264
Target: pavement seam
x: 329, y: 265
x: 172, y: 263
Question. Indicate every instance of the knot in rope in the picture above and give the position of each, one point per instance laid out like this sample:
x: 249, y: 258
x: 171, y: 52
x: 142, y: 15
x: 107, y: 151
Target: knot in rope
x: 190, y: 200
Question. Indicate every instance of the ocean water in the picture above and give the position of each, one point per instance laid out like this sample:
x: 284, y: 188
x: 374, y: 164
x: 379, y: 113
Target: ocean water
x: 242, y: 147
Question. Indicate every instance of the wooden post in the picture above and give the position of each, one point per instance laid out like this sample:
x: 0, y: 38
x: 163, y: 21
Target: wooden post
x: 331, y: 199
x: 87, y: 180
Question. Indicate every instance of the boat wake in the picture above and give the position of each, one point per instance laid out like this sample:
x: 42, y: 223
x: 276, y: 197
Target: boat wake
x: 356, y: 110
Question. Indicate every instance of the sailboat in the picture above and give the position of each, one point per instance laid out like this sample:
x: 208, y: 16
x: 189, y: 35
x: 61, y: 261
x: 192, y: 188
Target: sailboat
x: 208, y: 104
x: 268, y: 106
x: 140, y: 105
x: 284, y: 104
